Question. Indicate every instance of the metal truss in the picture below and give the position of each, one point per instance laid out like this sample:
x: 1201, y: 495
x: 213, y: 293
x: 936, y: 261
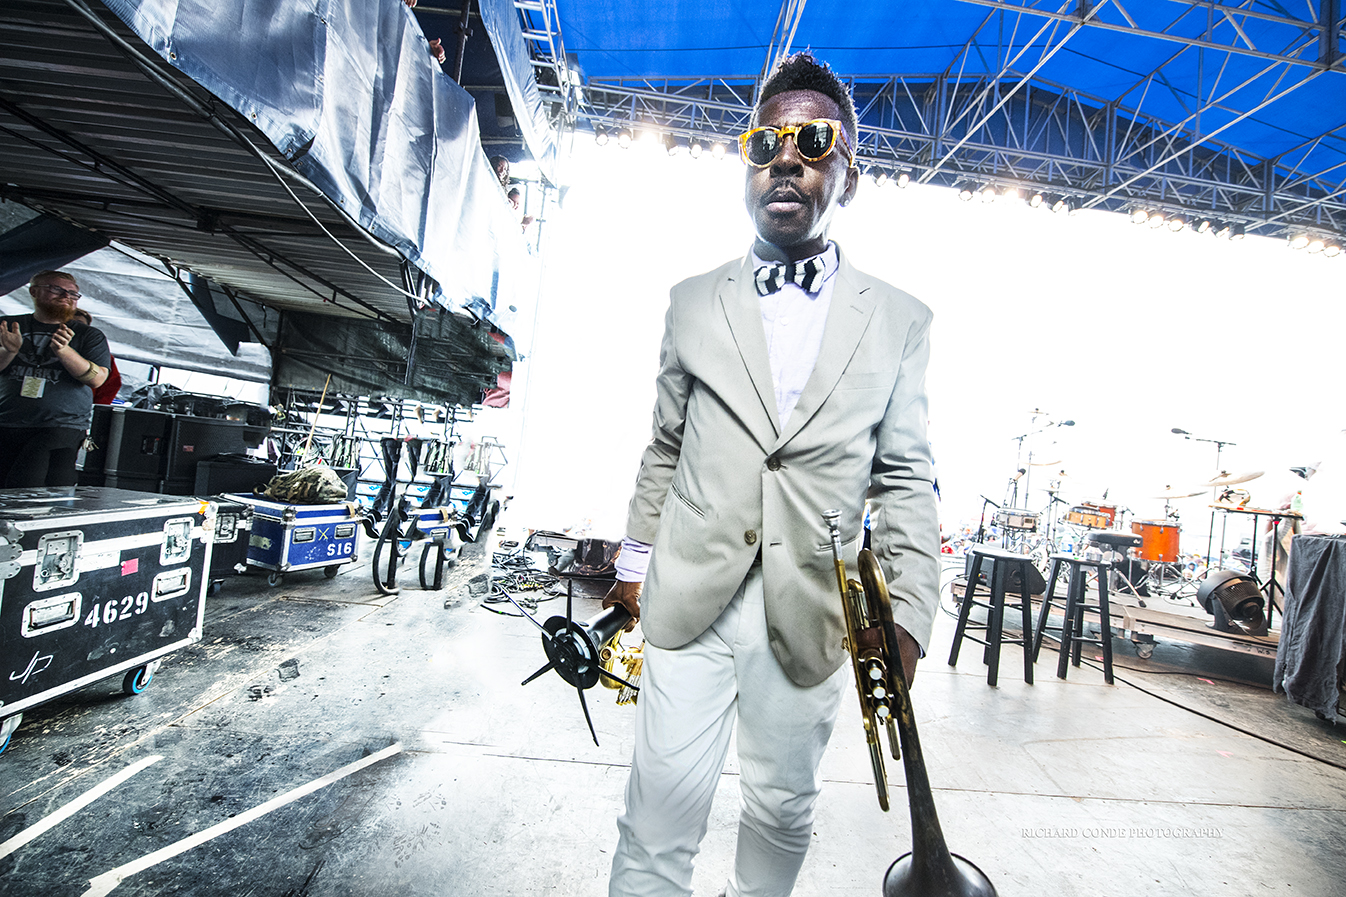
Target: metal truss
x: 989, y: 118
x: 551, y: 67
x: 1237, y: 27
x: 1032, y: 135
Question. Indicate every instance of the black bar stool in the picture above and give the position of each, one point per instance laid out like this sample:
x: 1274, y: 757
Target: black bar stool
x: 1000, y: 567
x: 1072, y: 624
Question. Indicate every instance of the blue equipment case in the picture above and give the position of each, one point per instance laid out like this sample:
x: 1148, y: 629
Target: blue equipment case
x: 95, y: 581
x: 288, y: 537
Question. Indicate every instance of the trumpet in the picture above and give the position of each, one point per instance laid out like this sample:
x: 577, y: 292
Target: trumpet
x: 929, y: 869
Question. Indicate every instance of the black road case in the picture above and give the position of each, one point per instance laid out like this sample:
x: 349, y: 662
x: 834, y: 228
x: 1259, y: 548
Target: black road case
x: 94, y: 582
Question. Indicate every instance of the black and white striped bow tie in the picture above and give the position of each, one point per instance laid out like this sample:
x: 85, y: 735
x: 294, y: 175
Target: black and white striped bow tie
x: 807, y: 274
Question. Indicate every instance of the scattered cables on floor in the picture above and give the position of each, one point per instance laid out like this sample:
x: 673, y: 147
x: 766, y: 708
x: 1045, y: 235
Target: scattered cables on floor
x: 514, y: 576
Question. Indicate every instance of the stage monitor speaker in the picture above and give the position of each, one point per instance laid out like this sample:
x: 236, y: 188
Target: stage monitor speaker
x: 1036, y: 584
x: 1235, y: 601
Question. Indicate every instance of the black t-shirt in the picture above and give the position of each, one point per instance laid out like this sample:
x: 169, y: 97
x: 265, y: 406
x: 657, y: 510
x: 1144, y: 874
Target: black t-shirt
x: 63, y: 401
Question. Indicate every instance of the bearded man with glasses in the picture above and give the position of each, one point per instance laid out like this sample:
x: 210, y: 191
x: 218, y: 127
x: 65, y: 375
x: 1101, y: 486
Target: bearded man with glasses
x: 789, y: 383
x: 50, y: 363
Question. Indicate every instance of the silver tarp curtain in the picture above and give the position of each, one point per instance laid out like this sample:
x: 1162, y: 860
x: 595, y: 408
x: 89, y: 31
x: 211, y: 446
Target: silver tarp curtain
x: 502, y: 24
x: 348, y: 92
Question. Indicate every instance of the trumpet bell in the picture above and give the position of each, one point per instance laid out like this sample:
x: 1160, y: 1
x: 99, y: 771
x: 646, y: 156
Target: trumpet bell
x: 909, y: 877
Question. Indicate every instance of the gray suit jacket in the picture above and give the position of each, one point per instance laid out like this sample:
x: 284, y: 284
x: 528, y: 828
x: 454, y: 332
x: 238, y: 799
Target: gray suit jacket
x: 722, y: 479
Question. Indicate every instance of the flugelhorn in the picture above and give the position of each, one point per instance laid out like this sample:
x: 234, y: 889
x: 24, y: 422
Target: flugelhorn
x: 929, y: 869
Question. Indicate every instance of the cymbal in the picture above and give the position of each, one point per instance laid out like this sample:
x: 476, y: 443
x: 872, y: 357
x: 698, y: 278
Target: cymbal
x: 1231, y: 479
x: 1174, y: 492
x: 1044, y: 463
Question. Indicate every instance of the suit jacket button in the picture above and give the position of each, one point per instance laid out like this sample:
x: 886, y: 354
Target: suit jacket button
x: 773, y: 463
x: 750, y: 536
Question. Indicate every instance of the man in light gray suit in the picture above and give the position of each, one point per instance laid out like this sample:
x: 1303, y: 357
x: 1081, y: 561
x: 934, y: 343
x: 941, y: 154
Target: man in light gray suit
x: 789, y: 383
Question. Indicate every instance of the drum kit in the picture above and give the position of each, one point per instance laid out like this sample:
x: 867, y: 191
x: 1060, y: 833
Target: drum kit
x: 1152, y: 560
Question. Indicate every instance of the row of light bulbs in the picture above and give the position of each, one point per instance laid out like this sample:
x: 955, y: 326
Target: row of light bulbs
x: 967, y: 190
x: 1315, y: 243
x: 1038, y: 199
x: 695, y: 146
x: 1176, y: 221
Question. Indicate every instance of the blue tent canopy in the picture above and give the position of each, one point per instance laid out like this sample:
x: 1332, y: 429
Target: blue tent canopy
x: 1235, y: 108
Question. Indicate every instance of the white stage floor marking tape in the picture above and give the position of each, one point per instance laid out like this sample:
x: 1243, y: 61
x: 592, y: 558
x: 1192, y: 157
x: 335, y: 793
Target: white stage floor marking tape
x: 75, y: 806
x: 104, y: 884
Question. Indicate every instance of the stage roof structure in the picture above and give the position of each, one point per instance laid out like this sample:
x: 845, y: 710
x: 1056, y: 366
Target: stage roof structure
x: 1230, y: 111
x: 311, y: 158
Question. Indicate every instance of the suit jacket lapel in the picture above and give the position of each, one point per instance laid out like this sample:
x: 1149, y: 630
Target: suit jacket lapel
x: 847, y: 319
x: 743, y: 312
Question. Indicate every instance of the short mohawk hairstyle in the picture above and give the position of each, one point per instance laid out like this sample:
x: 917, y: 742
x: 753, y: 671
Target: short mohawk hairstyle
x: 802, y: 71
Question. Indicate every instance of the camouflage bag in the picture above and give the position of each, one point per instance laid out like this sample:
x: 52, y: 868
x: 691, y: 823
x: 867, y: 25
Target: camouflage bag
x: 307, y: 486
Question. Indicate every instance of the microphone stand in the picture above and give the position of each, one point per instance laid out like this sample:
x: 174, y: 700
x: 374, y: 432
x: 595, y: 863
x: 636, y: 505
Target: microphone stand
x: 981, y: 525
x: 1219, y: 447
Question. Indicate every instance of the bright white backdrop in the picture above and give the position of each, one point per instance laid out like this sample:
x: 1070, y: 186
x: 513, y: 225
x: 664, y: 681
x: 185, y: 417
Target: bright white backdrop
x: 1128, y: 331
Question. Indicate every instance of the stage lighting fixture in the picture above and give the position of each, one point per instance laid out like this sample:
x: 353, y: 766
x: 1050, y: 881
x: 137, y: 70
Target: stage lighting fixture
x: 903, y: 178
x: 1063, y: 206
x: 1036, y: 198
x: 1011, y: 193
x: 624, y: 138
x: 965, y: 191
x: 1139, y: 216
x: 696, y: 147
x: 717, y: 150
x: 1316, y: 245
x: 1299, y: 241
x: 988, y: 193
x: 1331, y: 249
x: 1236, y: 232
x: 1177, y: 222
x: 880, y: 176
x: 1223, y: 229
x: 1156, y: 219
x: 671, y: 144
x: 600, y: 135
x: 1204, y: 225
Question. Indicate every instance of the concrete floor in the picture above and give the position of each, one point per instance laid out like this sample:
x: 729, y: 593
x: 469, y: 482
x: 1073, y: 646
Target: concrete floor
x: 1180, y: 778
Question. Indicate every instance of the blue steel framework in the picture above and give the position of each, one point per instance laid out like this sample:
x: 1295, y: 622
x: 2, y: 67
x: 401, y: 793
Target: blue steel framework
x: 976, y: 124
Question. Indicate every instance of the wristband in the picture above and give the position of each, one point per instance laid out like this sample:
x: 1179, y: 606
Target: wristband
x: 90, y: 374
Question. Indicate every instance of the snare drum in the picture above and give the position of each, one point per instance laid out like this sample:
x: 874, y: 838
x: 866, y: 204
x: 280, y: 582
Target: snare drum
x: 1159, y: 540
x: 1091, y: 516
x: 1017, y: 519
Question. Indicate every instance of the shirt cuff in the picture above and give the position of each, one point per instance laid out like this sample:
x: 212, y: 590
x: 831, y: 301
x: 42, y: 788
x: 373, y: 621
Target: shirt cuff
x: 633, y: 560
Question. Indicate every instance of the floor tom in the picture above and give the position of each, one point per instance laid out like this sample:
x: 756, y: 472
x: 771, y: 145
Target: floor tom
x: 1159, y: 540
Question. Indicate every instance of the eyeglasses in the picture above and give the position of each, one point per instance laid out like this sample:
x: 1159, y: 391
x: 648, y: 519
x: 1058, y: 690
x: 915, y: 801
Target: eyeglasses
x: 815, y: 140
x: 62, y: 291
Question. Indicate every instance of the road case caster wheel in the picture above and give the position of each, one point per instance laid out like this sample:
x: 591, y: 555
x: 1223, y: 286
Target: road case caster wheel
x: 273, y: 579
x: 7, y: 727
x: 1144, y: 650
x: 138, y: 680
x: 332, y: 571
